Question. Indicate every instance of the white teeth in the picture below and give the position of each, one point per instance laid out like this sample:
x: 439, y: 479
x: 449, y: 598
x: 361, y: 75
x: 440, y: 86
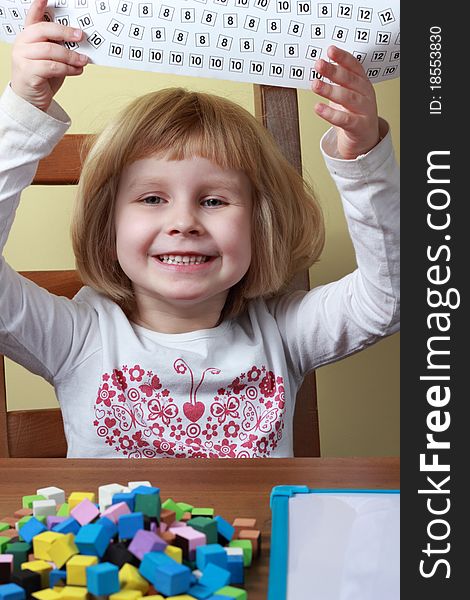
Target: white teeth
x: 176, y: 259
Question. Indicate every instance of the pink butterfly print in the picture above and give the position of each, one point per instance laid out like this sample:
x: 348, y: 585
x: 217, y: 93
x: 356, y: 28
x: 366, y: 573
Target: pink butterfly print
x: 222, y: 410
x: 149, y: 389
x: 165, y: 412
x: 258, y: 420
x: 129, y: 418
x: 193, y: 410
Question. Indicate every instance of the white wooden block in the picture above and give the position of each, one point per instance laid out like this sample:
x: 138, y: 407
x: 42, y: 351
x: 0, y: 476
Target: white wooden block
x: 44, y: 508
x: 52, y: 493
x: 106, y: 492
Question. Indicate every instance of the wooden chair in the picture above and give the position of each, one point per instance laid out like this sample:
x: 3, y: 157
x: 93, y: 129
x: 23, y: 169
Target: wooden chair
x: 40, y: 433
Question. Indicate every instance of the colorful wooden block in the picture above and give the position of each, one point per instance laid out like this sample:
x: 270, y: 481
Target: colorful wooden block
x: 12, y: 591
x: 225, y: 531
x: 148, y: 504
x: 188, y: 539
x: 254, y: 535
x: 203, y: 512
x: 175, y: 553
x: 63, y: 510
x: 6, y: 568
x: 73, y: 592
x: 29, y: 580
x: 46, y: 594
x: 69, y: 525
x: 243, y: 523
x: 206, y: 526
x: 111, y: 528
x: 118, y: 554
x: 62, y: 549
x: 247, y: 548
x: 57, y: 577
x: 76, y: 569
x: 131, y: 579
x: 19, y: 551
x: 127, y: 595
x: 129, y: 525
x: 236, y: 568
x: 42, y: 543
x: 106, y: 493
x: 41, y: 567
x: 76, y: 497
x: 165, y: 574
x: 44, y: 508
x: 146, y: 541
x: 27, y: 501
x: 84, y: 512
x: 170, y: 504
x: 92, y: 540
x: 211, y: 554
x: 231, y: 593
x: 103, y: 579
x: 114, y: 511
x: 52, y: 493
x: 52, y: 520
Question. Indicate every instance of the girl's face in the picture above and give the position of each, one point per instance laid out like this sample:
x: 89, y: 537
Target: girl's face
x: 183, y: 231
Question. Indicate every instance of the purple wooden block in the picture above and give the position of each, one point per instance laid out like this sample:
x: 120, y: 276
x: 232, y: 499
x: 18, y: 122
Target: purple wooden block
x: 52, y: 520
x: 146, y: 541
x: 154, y: 527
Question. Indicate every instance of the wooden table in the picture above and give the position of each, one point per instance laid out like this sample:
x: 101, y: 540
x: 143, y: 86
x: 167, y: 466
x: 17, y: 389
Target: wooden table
x: 234, y: 488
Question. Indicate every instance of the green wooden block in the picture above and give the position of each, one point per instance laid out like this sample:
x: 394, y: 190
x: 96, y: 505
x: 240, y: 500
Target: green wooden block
x: 27, y: 501
x: 247, y: 548
x: 4, y: 540
x: 185, y: 507
x: 206, y: 526
x: 232, y: 592
x: 148, y: 504
x: 203, y: 512
x: 63, y: 510
x: 4, y: 526
x: 170, y: 504
x: 20, y: 551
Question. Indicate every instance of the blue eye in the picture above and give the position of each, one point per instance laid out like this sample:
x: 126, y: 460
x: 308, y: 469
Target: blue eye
x: 152, y: 200
x: 213, y: 202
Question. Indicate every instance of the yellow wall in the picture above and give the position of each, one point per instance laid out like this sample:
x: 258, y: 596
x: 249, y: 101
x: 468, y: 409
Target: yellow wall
x: 358, y: 397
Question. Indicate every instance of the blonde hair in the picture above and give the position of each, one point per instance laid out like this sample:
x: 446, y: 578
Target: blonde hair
x: 287, y: 223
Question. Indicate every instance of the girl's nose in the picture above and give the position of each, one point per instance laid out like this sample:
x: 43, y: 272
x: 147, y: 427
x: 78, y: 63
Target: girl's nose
x: 183, y: 220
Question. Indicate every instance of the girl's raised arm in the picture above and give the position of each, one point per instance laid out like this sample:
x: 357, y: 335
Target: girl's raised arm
x: 39, y: 63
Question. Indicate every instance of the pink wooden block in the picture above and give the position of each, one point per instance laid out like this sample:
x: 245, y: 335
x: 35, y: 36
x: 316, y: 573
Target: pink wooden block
x: 114, y: 511
x: 195, y: 538
x: 85, y: 512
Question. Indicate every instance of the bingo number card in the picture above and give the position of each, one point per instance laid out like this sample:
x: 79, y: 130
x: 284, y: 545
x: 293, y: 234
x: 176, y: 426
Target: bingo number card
x: 272, y: 42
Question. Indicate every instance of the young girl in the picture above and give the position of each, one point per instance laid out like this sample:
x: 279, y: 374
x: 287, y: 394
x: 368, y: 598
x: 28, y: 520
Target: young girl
x: 189, y: 224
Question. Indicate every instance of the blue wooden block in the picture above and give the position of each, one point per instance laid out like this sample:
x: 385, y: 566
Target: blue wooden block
x: 211, y: 553
x: 129, y: 525
x: 12, y: 591
x: 236, y: 568
x: 56, y: 575
x: 102, y: 579
x: 31, y: 528
x: 70, y: 525
x: 146, y: 489
x: 127, y: 497
x: 214, y: 577
x: 200, y: 592
x: 224, y: 528
x: 166, y: 575
x: 92, y: 540
x: 110, y: 527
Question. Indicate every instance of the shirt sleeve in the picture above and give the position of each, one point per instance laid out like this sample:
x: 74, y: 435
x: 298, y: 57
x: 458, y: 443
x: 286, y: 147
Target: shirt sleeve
x: 37, y: 329
x: 338, y: 319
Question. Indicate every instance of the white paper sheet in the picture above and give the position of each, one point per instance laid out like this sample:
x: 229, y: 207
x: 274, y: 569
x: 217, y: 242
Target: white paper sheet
x: 344, y: 546
x: 271, y: 42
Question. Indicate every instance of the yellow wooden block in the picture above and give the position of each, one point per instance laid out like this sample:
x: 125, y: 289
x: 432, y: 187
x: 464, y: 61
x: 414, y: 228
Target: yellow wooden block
x: 181, y: 597
x: 131, y: 579
x: 157, y: 597
x: 127, y: 595
x: 76, y: 569
x: 42, y: 543
x: 175, y: 553
x: 72, y: 592
x: 39, y: 566
x: 46, y: 594
x: 76, y: 497
x: 62, y: 549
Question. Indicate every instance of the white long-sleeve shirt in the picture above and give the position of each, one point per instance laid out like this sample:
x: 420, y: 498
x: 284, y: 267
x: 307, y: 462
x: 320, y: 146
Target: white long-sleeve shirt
x: 229, y: 391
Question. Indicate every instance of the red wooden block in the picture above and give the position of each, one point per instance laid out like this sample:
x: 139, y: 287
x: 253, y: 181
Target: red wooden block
x: 167, y: 516
x: 254, y: 535
x: 241, y: 523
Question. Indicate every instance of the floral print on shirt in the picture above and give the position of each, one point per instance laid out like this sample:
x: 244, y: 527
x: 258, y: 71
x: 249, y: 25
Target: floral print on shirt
x: 137, y: 415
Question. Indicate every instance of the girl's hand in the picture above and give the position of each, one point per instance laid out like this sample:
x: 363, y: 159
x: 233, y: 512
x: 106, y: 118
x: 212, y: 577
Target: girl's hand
x: 352, y: 109
x: 39, y: 65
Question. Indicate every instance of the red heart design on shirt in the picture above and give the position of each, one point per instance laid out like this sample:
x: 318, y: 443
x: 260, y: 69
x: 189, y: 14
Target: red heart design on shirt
x: 193, y: 412
x: 110, y: 422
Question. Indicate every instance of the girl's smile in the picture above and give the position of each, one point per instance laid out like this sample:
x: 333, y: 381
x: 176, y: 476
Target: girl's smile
x: 183, y: 234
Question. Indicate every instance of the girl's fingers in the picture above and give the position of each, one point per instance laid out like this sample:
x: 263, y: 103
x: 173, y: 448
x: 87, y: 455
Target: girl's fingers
x: 45, y: 30
x: 48, y: 69
x: 36, y: 12
x: 343, y: 76
x: 350, y: 100
x: 345, y: 59
x: 54, y: 52
x: 337, y: 118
